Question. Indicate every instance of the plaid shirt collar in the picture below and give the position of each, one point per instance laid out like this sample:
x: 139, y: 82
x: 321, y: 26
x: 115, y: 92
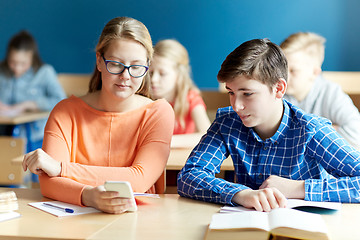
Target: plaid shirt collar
x: 281, y: 131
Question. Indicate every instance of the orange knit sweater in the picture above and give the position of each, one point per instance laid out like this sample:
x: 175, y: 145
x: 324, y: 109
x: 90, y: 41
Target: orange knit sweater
x: 95, y: 146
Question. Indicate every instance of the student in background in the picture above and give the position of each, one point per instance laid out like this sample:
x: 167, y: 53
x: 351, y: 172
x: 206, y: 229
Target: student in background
x: 27, y: 84
x: 170, y: 79
x: 310, y: 91
x: 278, y: 150
x: 114, y: 132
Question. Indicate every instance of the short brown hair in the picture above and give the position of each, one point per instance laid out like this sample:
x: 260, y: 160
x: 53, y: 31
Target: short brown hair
x: 259, y: 59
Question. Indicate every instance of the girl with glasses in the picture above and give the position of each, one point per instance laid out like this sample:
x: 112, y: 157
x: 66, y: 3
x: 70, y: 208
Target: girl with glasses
x: 113, y: 133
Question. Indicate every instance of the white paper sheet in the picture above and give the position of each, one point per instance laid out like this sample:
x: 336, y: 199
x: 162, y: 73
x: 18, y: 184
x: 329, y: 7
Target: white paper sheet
x: 8, y: 215
x: 78, y: 210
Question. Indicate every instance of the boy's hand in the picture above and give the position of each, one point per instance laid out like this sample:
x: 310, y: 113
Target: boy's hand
x: 290, y: 188
x: 262, y: 199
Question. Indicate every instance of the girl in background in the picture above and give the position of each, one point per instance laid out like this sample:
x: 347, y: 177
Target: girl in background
x: 113, y: 133
x: 27, y: 84
x: 170, y: 79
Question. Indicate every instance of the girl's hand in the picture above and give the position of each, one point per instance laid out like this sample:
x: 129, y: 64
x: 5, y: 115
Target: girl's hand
x: 40, y: 162
x: 106, y: 201
x: 262, y: 200
x: 290, y: 188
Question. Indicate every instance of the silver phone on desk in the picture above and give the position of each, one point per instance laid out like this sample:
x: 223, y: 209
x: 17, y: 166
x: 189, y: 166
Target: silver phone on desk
x: 124, y: 189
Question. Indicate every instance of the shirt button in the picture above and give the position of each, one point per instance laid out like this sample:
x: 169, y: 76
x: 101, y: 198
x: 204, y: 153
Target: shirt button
x: 260, y: 175
x: 265, y: 148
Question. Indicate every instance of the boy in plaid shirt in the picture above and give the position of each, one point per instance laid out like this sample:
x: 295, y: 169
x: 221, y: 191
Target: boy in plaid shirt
x: 278, y: 150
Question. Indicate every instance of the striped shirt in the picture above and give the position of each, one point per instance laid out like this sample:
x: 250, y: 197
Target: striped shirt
x: 305, y: 147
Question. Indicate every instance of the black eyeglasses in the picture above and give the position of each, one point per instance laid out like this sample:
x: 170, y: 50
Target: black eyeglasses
x: 115, y: 67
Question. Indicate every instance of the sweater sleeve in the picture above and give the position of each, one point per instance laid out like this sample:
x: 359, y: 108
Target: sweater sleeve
x: 151, y: 156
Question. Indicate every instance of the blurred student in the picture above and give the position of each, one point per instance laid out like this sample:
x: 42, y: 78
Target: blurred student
x: 309, y: 90
x: 27, y: 84
x: 171, y: 79
x: 114, y: 132
x: 278, y: 150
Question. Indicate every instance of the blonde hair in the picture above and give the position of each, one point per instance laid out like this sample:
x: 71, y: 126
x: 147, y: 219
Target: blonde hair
x: 177, y: 53
x: 311, y: 43
x: 123, y: 28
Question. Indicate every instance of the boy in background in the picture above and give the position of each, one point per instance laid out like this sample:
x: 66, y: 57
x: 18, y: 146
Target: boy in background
x: 278, y: 150
x: 308, y: 90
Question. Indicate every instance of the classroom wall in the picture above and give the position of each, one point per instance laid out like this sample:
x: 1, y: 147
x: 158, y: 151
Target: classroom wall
x: 67, y: 30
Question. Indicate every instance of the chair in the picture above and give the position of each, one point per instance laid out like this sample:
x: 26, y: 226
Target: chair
x: 214, y: 100
x: 11, y: 173
x: 74, y: 84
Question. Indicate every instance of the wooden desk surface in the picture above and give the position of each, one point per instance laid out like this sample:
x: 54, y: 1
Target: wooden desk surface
x: 36, y: 224
x: 169, y: 217
x: 178, y: 157
x: 23, y: 118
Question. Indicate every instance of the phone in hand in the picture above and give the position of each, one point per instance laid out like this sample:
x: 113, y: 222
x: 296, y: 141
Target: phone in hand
x: 124, y: 189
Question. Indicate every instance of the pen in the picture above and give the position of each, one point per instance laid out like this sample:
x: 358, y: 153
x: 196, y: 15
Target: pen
x: 68, y: 210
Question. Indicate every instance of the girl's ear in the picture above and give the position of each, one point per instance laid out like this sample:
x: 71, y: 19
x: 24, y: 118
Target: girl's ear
x: 98, y: 61
x: 280, y: 88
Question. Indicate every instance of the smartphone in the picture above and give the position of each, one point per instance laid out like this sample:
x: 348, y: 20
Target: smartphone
x: 124, y: 189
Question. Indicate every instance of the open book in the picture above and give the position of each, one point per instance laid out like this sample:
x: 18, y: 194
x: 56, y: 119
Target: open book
x: 281, y: 222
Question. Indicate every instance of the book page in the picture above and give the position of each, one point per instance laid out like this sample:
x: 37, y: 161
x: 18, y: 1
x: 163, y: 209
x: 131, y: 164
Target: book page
x: 291, y: 203
x: 246, y: 220
x: 290, y: 218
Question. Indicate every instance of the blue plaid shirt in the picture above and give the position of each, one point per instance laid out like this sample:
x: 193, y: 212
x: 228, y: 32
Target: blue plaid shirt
x: 305, y: 147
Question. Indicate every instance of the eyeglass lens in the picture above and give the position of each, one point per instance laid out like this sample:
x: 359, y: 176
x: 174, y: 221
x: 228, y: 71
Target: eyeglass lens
x: 134, y: 70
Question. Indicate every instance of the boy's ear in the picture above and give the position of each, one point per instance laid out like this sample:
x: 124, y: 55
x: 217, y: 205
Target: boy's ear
x: 280, y: 88
x: 317, y: 71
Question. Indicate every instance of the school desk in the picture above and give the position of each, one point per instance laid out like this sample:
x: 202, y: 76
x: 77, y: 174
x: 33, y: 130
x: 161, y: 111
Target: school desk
x: 178, y: 157
x: 176, y: 161
x: 25, y: 117
x: 12, y: 147
x: 168, y: 217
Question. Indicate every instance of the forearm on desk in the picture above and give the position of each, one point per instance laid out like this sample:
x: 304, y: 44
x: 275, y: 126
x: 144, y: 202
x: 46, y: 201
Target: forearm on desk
x: 147, y: 167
